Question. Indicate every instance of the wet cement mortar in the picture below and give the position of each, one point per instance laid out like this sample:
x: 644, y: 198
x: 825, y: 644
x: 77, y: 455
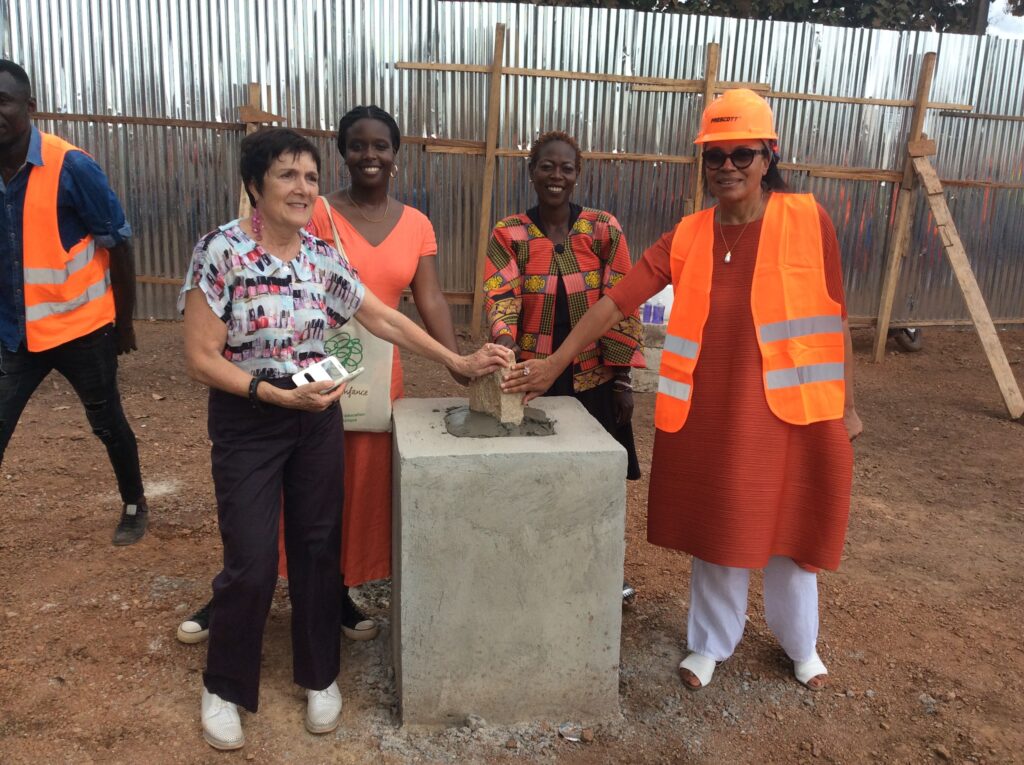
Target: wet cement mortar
x: 463, y: 422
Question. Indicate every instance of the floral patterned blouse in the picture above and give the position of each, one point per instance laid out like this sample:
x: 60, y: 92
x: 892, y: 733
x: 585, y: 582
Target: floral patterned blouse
x: 276, y: 312
x: 536, y: 290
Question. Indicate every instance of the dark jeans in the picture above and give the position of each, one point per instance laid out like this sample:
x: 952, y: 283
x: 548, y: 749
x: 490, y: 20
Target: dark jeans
x: 90, y: 364
x: 258, y: 458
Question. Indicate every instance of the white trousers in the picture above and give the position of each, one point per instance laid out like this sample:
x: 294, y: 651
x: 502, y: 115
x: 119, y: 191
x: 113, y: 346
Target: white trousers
x: 718, y: 608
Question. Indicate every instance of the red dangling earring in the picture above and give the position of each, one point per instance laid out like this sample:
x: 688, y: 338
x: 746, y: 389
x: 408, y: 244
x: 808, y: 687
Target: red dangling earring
x: 256, y: 221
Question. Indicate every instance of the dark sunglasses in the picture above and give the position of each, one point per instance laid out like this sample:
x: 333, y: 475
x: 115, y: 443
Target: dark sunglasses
x: 741, y: 158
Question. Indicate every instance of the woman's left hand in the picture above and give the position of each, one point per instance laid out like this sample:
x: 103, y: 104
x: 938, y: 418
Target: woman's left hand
x: 486, y: 359
x: 623, y: 402
x: 851, y: 420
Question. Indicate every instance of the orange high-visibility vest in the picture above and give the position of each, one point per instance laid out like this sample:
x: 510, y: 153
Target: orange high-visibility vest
x: 67, y: 292
x: 799, y: 326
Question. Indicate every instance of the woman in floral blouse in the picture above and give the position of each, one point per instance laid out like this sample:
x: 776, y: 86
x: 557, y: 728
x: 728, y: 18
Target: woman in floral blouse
x: 259, y: 295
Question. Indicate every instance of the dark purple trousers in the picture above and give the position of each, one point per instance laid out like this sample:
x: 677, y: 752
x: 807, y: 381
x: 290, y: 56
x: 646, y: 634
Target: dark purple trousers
x: 258, y: 457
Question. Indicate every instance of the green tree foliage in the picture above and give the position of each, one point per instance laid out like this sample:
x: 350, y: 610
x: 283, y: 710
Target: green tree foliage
x: 965, y: 16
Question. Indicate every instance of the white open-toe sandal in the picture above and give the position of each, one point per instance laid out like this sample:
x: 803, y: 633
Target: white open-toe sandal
x: 805, y: 671
x: 702, y: 667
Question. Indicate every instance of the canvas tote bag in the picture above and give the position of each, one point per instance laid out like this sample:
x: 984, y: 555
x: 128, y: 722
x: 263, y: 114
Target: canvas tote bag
x: 366, y: 402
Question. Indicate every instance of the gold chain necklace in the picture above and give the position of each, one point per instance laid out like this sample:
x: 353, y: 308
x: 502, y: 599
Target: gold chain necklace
x: 728, y: 248
x: 359, y: 207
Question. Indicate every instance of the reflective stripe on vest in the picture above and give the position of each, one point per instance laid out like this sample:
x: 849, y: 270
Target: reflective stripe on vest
x: 680, y: 346
x: 67, y: 291
x: 788, y: 378
x: 789, y: 328
x: 799, y: 327
x: 674, y: 388
x: 59, y: 275
x: 92, y: 292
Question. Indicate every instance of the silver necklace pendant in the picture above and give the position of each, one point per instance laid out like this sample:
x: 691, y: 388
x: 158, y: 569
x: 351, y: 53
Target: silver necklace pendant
x: 728, y: 256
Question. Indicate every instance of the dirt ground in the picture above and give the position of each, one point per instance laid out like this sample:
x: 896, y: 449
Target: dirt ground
x: 921, y: 625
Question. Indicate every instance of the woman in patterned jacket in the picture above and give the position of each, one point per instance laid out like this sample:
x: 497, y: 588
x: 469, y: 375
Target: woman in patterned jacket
x: 545, y: 267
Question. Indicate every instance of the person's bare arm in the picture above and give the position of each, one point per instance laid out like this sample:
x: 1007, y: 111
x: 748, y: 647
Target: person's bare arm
x: 390, y: 325
x: 122, y: 282
x: 854, y: 427
x: 433, y: 308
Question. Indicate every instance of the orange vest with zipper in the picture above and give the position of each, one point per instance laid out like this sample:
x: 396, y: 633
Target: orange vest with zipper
x: 799, y: 326
x: 67, y: 292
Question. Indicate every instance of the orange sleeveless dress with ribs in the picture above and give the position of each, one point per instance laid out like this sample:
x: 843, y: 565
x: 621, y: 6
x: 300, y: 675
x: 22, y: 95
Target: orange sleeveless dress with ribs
x: 737, y: 485
x: 386, y: 269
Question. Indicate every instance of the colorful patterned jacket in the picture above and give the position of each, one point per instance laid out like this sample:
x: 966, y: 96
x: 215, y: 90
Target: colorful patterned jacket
x: 521, y: 285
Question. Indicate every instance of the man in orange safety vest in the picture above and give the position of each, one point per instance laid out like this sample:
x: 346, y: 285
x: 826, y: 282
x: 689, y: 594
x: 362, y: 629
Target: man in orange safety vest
x: 67, y: 285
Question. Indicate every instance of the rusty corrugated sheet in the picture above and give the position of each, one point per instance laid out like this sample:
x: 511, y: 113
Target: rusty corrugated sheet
x: 192, y: 60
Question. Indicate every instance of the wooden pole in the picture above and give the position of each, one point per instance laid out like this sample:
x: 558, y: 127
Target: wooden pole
x: 253, y: 116
x: 487, y: 187
x: 901, y: 221
x: 969, y: 287
x: 710, y: 77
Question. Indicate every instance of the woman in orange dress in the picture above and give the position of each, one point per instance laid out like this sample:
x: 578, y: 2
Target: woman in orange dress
x: 393, y: 248
x: 752, y: 465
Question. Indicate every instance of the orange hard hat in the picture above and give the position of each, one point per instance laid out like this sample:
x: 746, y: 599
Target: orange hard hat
x: 735, y: 116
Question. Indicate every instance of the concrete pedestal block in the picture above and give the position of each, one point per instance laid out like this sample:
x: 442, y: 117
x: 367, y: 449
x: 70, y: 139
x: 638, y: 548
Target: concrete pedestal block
x: 507, y: 569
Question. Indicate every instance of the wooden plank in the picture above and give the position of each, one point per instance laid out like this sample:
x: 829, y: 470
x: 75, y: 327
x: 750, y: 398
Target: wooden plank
x: 248, y: 113
x: 993, y: 117
x: 955, y: 108
x: 869, y: 321
x: 697, y: 86
x: 710, y: 78
x: 612, y: 156
x: 979, y: 311
x: 923, y: 147
x: 844, y: 173
x: 425, y: 66
x: 487, y: 190
x: 639, y: 82
x: 146, y: 279
x: 901, y: 222
x: 244, y: 206
x: 121, y: 119
x: 976, y: 184
x: 941, y: 221
x: 926, y: 172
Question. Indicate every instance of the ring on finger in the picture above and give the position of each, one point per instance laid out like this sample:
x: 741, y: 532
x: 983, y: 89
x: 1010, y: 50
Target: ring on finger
x: 526, y: 371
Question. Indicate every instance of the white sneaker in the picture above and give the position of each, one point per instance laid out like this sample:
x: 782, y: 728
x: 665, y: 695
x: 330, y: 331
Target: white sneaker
x: 221, y: 727
x: 323, y: 709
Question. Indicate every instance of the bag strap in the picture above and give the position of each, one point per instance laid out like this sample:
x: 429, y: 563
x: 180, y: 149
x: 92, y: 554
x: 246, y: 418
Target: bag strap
x: 334, y: 229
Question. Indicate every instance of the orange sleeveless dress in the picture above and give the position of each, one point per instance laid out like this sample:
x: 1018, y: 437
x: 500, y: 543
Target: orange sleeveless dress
x: 737, y: 485
x: 386, y: 269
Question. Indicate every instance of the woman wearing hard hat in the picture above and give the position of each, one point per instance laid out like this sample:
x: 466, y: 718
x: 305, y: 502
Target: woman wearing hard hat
x: 752, y: 465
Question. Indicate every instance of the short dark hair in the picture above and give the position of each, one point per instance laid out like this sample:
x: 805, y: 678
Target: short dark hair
x: 260, y: 149
x: 773, y: 180
x: 550, y: 137
x: 20, y: 75
x: 368, y: 113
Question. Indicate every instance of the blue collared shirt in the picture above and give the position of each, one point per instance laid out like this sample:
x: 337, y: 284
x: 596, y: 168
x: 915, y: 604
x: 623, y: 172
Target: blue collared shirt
x: 85, y: 205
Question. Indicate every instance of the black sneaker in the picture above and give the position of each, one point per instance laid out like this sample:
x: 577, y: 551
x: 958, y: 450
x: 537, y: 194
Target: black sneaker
x: 354, y: 623
x: 134, y: 519
x: 196, y: 628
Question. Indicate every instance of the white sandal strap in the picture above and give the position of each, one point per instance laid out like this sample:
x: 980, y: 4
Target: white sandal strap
x: 805, y: 671
x: 702, y: 667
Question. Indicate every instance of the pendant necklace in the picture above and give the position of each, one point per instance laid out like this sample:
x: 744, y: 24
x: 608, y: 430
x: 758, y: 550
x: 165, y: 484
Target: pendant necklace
x: 728, y: 248
x: 359, y: 207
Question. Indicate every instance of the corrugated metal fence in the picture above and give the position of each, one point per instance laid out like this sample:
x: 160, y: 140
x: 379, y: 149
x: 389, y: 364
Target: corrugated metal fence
x: 190, y: 62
